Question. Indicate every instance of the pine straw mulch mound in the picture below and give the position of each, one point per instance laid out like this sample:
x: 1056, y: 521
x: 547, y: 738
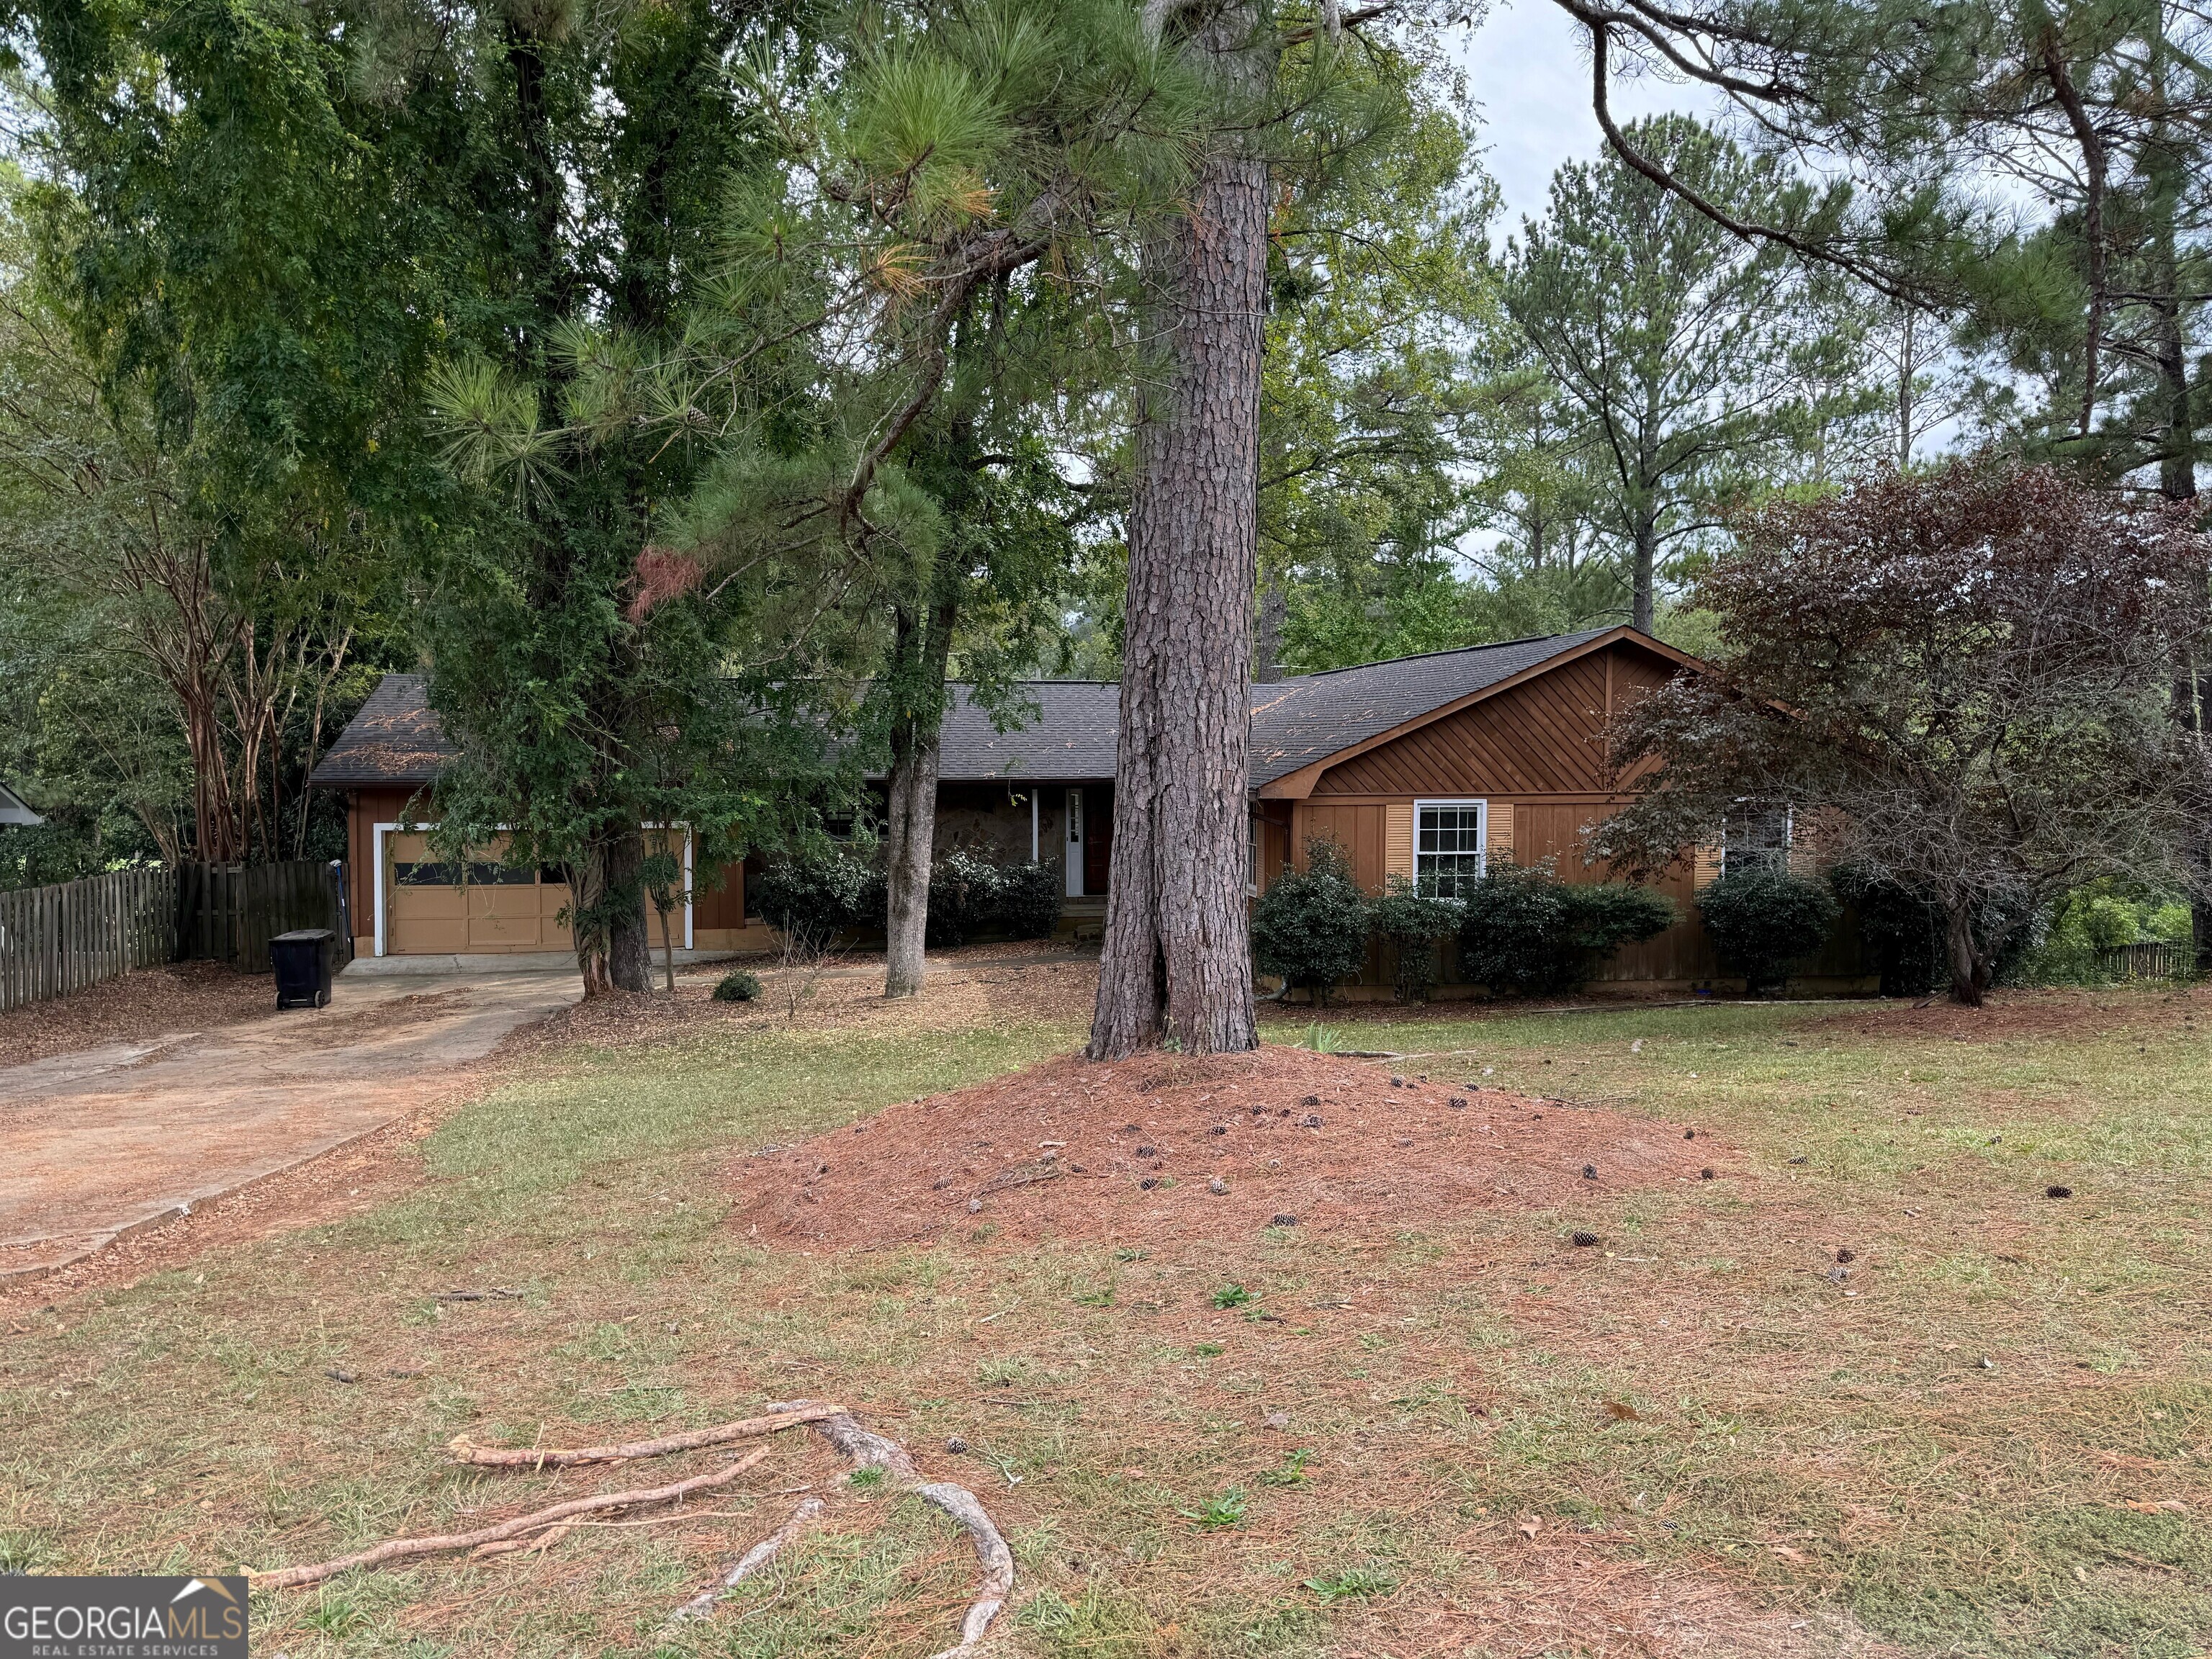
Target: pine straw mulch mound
x: 1164, y: 1146
x: 153, y: 1002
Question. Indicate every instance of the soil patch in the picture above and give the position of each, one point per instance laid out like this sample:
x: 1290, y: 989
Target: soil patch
x: 1163, y: 1147
x: 152, y: 1002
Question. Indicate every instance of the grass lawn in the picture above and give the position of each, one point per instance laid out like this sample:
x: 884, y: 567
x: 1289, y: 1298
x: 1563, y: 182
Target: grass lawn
x: 1993, y: 1434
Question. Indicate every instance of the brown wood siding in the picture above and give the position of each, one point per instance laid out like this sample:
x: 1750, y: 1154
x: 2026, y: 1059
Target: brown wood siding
x: 1544, y: 738
x: 1274, y: 842
x: 1360, y: 829
x: 1559, y: 831
x: 366, y: 809
x: 719, y: 907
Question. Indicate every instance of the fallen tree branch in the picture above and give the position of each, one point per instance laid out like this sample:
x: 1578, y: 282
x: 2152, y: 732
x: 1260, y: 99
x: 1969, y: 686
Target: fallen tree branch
x: 749, y: 1564
x: 864, y: 1449
x: 550, y: 1457
x: 407, y: 1549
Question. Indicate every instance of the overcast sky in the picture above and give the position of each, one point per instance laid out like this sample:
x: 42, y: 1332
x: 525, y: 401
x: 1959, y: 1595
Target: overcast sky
x: 1527, y: 65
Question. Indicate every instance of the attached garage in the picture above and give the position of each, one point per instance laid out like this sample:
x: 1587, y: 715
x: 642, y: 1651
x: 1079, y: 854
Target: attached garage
x: 405, y: 899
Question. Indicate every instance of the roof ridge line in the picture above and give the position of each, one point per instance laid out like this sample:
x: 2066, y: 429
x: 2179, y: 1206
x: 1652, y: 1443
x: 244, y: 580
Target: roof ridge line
x: 1447, y: 651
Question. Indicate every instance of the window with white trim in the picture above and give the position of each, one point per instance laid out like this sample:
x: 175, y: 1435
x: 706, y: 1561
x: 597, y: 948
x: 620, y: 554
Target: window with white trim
x: 1755, y: 836
x: 1448, y: 845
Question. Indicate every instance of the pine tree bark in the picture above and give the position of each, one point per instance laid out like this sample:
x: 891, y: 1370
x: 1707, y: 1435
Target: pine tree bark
x: 1177, y: 963
x: 923, y: 646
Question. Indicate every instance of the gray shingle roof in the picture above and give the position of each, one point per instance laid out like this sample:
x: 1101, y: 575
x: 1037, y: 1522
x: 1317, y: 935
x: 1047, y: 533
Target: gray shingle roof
x: 1296, y: 722
x: 395, y: 737
x: 1071, y: 736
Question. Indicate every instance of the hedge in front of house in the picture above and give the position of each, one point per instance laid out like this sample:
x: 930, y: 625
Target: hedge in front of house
x: 1763, y: 921
x: 1411, y: 920
x: 1030, y: 895
x: 816, y: 892
x: 1311, y: 925
x: 1523, y: 931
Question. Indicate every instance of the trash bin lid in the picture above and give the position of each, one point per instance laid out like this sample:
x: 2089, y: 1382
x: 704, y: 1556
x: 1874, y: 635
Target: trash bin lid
x: 304, y: 936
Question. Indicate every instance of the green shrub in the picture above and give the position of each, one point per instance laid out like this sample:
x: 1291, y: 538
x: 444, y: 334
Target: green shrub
x: 1513, y: 932
x: 1761, y: 921
x: 1028, y: 899
x: 1604, y: 915
x: 2068, y: 946
x: 1411, y: 921
x: 737, y: 987
x: 964, y: 890
x: 1524, y: 932
x: 1311, y: 925
x: 816, y: 892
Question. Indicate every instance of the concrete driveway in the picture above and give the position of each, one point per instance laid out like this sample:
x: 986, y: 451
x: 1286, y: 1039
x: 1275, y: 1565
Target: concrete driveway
x: 100, y: 1143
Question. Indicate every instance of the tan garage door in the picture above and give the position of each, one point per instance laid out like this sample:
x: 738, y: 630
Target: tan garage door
x: 432, y: 906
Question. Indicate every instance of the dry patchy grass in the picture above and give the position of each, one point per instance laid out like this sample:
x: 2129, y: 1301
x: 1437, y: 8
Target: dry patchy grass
x: 1469, y: 1438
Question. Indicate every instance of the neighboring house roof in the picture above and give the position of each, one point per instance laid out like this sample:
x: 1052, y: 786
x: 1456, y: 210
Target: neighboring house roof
x: 15, y: 810
x: 394, y: 739
x: 1297, y: 724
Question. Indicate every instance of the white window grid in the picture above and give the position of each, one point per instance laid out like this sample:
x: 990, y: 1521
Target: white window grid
x: 1451, y: 843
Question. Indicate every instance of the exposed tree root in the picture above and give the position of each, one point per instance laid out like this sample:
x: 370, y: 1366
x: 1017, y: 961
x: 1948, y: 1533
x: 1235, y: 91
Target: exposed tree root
x: 549, y: 1457
x: 864, y: 1449
x: 749, y: 1564
x: 992, y: 1554
x: 408, y: 1549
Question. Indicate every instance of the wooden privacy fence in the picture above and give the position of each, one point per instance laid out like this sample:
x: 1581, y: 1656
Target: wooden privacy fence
x: 57, y: 940
x: 54, y: 940
x: 230, y: 911
x: 2158, y: 961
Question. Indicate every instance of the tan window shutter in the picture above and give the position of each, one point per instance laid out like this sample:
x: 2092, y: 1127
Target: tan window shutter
x: 1497, y: 844
x: 1705, y: 865
x: 1398, y: 839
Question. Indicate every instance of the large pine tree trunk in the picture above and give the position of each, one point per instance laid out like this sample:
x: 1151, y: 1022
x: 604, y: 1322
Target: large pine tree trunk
x: 1177, y: 963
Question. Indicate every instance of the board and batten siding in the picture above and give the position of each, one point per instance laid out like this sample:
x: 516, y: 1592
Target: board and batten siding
x: 1543, y: 737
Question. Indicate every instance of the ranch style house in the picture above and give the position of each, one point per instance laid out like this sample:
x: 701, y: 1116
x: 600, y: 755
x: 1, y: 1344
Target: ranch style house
x: 1428, y: 766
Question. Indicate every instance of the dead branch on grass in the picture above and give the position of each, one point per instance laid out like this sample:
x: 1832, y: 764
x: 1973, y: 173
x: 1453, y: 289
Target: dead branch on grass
x: 408, y: 1549
x: 749, y: 1564
x: 549, y: 1457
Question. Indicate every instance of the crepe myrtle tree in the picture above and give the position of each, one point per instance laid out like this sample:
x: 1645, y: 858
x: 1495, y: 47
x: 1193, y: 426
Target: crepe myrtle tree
x: 1966, y: 679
